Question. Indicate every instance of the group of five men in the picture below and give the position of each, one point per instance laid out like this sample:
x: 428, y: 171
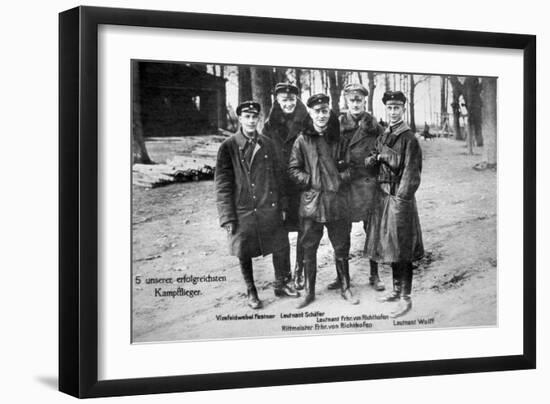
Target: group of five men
x: 309, y: 170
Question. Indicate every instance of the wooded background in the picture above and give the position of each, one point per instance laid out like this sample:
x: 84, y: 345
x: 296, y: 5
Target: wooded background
x: 463, y: 108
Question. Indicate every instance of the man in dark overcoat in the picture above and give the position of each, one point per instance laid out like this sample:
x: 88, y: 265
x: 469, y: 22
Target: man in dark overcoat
x: 323, y: 200
x: 285, y: 121
x: 359, y: 132
x: 395, y: 236
x: 251, y: 201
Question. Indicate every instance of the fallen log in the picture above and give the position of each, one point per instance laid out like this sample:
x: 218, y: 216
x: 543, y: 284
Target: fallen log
x: 152, y: 176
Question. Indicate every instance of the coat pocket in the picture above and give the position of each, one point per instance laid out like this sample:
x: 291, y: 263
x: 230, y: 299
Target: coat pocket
x: 309, y: 203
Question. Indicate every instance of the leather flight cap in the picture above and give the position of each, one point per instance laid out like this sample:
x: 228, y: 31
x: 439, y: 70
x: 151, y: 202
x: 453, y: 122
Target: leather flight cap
x: 248, y: 106
x: 394, y: 96
x: 353, y: 88
x: 286, y: 88
x: 317, y: 99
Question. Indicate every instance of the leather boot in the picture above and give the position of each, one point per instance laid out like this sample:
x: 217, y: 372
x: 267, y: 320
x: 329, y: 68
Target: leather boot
x: 405, y: 302
x: 310, y: 269
x: 284, y: 290
x: 298, y: 276
x: 342, y: 266
x: 336, y: 284
x: 281, y: 265
x: 252, y: 294
x: 374, y: 278
x: 396, y: 292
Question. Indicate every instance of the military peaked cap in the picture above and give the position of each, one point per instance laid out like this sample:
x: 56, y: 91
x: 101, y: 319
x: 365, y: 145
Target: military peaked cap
x: 317, y: 99
x: 396, y: 96
x: 248, y: 106
x: 355, y: 88
x: 286, y: 88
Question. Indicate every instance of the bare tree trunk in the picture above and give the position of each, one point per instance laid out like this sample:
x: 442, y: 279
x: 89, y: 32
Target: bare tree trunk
x: 446, y: 93
x: 372, y: 86
x: 222, y: 106
x: 457, y: 92
x: 261, y: 89
x: 431, y: 119
x: 386, y: 82
x: 306, y: 83
x: 472, y: 96
x: 280, y: 75
x: 312, y: 82
x: 489, y: 120
x: 298, y: 74
x: 412, y: 122
x: 341, y: 78
x: 404, y: 84
x: 442, y: 101
x: 335, y: 91
x: 139, y: 151
x: 245, y: 84
x: 470, y: 137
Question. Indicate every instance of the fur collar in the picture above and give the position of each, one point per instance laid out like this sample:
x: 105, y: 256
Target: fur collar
x: 366, y: 121
x: 278, y: 118
x: 333, y: 128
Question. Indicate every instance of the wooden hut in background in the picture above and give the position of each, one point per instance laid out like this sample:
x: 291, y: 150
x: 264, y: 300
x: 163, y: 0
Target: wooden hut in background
x: 176, y: 99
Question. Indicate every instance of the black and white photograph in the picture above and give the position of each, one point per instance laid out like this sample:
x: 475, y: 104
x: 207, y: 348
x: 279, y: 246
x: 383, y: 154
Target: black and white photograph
x: 277, y: 201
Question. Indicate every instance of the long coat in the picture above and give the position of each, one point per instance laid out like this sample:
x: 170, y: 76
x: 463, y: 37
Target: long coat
x: 394, y: 232
x: 283, y: 129
x: 312, y: 167
x: 358, y: 138
x: 251, y: 197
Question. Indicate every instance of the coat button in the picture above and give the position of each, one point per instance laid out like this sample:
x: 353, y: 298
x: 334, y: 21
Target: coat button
x: 252, y: 184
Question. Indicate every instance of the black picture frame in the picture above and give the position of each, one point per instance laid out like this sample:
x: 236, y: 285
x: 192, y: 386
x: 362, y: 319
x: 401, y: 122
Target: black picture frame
x: 78, y: 201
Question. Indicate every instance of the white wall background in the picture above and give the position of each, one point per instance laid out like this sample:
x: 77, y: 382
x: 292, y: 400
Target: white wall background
x: 28, y: 218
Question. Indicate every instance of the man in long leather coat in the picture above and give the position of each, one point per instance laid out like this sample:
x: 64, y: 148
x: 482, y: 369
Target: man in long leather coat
x: 359, y: 132
x: 285, y: 121
x: 250, y: 200
x: 323, y: 201
x: 395, y: 236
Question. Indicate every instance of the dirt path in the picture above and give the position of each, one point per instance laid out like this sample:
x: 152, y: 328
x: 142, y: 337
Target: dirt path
x: 176, y: 235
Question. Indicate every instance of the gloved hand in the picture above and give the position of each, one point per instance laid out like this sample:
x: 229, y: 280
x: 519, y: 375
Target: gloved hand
x: 230, y: 227
x: 371, y: 161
